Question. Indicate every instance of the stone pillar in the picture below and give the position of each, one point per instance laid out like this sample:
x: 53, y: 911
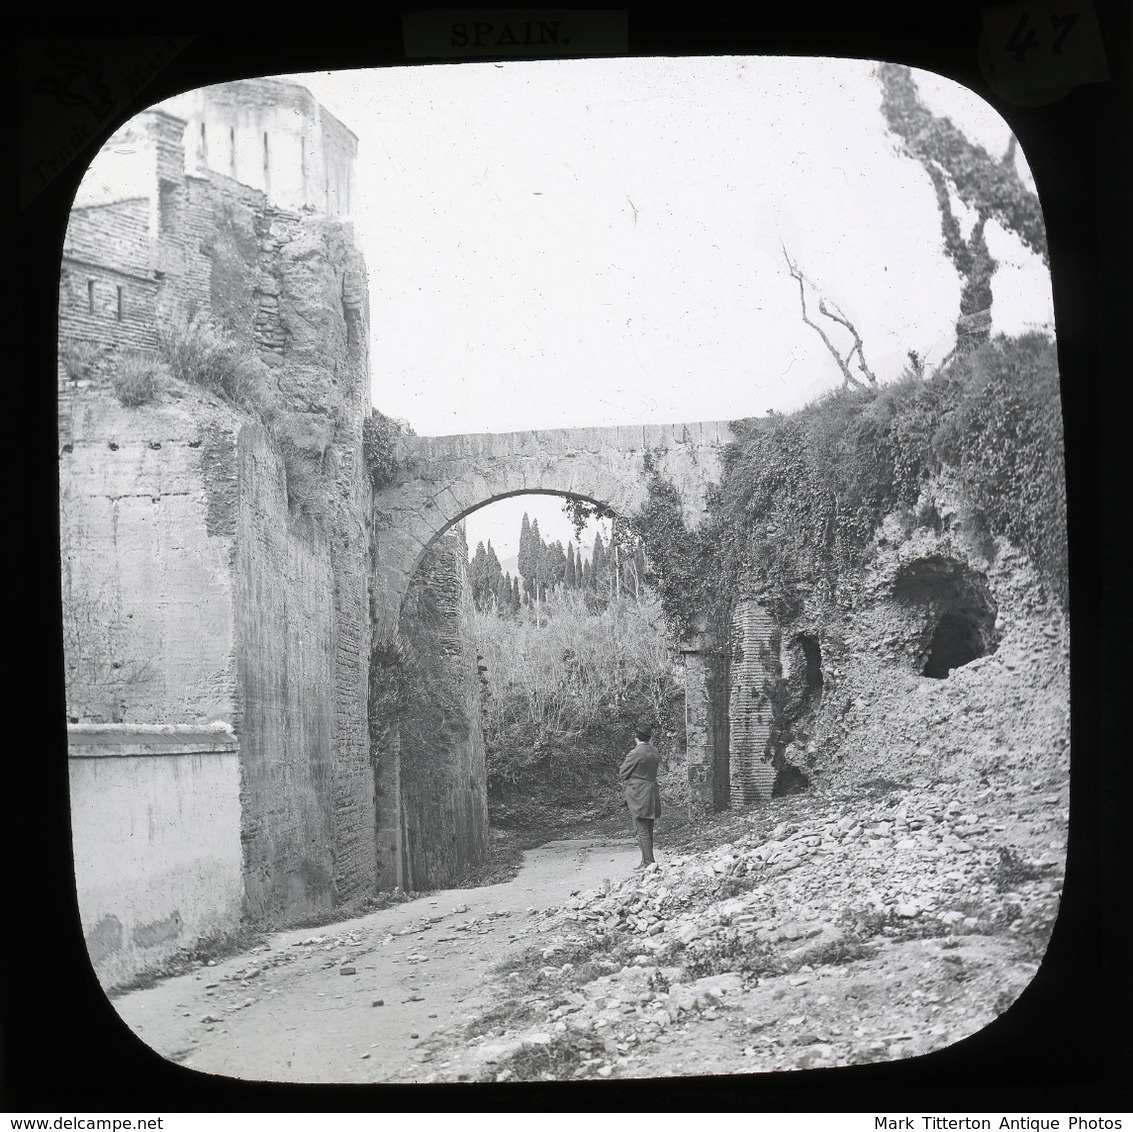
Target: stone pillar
x: 706, y: 720
x: 386, y: 678
x: 754, y: 666
x: 387, y: 808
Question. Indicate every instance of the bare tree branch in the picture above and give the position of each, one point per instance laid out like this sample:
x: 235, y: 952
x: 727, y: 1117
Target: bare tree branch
x: 838, y: 316
x: 843, y: 363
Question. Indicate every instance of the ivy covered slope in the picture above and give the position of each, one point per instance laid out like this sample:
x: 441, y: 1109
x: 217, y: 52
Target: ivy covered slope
x: 911, y: 542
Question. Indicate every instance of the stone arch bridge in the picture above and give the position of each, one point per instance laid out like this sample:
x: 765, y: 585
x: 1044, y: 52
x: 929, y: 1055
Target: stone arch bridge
x: 441, y: 479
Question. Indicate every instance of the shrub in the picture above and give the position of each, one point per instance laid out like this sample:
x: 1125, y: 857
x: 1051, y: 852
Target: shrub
x: 1012, y: 870
x: 732, y: 952
x: 559, y: 1058
x: 199, y: 352
x: 136, y: 378
x: 80, y: 360
x: 562, y: 696
x: 379, y: 447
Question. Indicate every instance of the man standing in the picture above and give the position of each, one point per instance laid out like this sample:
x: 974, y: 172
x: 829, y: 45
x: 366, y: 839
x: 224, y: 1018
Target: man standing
x: 639, y: 779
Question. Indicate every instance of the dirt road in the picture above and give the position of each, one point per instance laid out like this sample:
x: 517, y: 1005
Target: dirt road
x: 819, y: 931
x: 290, y: 1011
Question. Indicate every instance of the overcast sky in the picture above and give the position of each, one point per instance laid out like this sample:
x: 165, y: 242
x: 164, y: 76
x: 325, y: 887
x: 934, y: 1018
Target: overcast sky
x: 597, y: 242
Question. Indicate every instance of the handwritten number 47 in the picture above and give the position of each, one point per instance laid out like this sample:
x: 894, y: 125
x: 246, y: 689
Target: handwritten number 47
x: 1024, y: 39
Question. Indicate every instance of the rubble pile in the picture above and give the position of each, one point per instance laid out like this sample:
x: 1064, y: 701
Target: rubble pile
x: 951, y: 882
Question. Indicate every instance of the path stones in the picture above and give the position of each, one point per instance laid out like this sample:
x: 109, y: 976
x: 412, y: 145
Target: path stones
x: 866, y: 871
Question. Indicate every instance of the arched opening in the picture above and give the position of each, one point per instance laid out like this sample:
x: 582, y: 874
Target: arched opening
x: 806, y: 670
x: 801, y: 661
x: 956, y: 641
x: 958, y: 613
x: 529, y: 651
x: 789, y: 780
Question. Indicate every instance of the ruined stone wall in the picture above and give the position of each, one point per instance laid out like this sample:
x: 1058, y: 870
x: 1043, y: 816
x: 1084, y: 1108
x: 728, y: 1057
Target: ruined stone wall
x: 874, y: 714
x: 284, y: 597
x: 303, y: 601
x: 273, y: 135
x: 443, y: 774
x: 707, y: 724
x: 215, y: 566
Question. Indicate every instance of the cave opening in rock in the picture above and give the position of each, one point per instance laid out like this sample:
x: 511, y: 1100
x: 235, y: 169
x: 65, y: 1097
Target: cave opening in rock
x: 956, y: 641
x: 958, y: 608
x: 789, y: 780
x: 812, y: 667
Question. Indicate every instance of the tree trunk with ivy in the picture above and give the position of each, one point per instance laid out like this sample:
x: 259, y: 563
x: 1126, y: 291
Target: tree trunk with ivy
x: 989, y: 186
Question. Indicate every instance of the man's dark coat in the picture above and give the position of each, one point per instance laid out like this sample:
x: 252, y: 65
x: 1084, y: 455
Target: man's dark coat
x: 639, y: 778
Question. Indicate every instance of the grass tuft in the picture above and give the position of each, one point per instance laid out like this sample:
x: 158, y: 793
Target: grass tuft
x: 199, y: 352
x: 561, y: 1058
x: 136, y: 378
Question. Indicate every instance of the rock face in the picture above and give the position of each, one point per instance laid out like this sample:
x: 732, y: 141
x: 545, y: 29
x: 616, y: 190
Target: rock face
x: 948, y: 657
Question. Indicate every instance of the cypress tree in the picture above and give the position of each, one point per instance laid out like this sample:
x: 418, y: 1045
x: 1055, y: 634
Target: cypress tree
x: 493, y: 571
x: 503, y: 595
x: 524, y: 565
x: 535, y: 584
x: 477, y: 572
x: 598, y: 563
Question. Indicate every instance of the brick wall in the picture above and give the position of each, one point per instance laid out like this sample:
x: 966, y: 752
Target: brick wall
x: 101, y: 313
x: 752, y: 777
x: 107, y: 294
x: 113, y: 236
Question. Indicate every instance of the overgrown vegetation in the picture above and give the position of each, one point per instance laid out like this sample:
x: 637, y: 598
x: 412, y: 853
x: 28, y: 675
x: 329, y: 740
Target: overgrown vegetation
x: 199, y: 352
x: 379, y: 447
x: 1012, y: 871
x: 136, y: 378
x: 561, y: 697
x: 80, y: 359
x: 732, y: 951
x: 803, y: 494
